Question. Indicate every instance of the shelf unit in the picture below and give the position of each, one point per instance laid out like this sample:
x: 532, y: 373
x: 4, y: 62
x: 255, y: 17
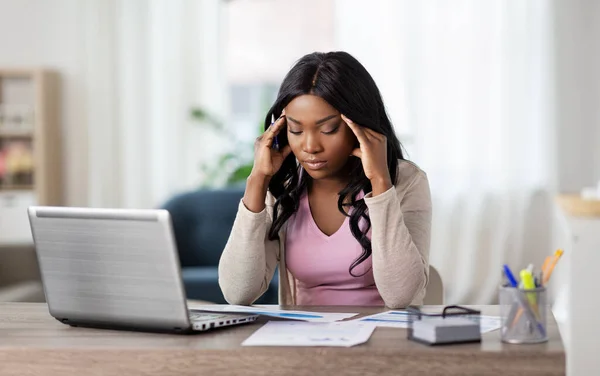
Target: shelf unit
x: 30, y: 148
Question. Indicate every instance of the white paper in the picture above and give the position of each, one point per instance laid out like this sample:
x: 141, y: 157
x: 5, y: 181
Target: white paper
x: 273, y: 312
x: 400, y: 319
x: 295, y: 333
x: 390, y: 319
x: 489, y: 323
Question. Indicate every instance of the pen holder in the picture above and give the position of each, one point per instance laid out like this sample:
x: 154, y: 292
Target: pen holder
x: 523, y: 314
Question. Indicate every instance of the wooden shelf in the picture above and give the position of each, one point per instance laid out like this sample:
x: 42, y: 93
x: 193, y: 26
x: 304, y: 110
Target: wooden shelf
x: 17, y: 73
x: 576, y: 206
x: 16, y: 134
x: 23, y: 187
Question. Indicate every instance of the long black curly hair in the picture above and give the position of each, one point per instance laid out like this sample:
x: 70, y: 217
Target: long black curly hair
x: 345, y: 84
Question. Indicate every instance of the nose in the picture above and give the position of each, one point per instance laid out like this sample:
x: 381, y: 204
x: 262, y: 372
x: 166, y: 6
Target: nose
x: 311, y: 144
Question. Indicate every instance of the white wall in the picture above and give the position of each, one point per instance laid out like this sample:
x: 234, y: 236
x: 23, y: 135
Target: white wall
x: 577, y: 93
x: 264, y: 40
x: 38, y: 33
x: 596, y: 95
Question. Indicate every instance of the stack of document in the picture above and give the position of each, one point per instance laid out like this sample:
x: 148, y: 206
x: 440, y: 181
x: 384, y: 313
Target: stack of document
x: 401, y: 319
x: 303, y: 328
x: 391, y: 319
x: 294, y: 333
x: 273, y: 312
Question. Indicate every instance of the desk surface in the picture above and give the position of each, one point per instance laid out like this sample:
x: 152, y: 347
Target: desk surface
x: 34, y: 343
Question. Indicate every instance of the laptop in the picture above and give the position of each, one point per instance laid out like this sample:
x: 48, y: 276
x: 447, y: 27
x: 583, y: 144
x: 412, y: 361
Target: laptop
x: 116, y: 269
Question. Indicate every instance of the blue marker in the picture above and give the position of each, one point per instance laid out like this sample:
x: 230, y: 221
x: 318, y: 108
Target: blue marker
x: 384, y: 320
x: 511, y: 278
x: 288, y: 315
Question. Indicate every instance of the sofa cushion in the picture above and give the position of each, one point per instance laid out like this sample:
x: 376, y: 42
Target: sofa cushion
x: 202, y: 283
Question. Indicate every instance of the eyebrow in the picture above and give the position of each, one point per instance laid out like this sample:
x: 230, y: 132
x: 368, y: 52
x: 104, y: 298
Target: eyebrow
x: 318, y: 122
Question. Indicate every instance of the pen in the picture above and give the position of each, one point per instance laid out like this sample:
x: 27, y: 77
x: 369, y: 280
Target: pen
x: 529, y: 284
x: 512, y: 282
x: 528, y: 312
x: 511, y: 278
x: 521, y: 300
x: 275, y: 141
x: 547, y: 268
x: 546, y: 263
x: 551, y: 265
x: 527, y: 279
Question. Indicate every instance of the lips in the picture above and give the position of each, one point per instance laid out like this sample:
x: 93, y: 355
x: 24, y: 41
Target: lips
x: 315, y: 165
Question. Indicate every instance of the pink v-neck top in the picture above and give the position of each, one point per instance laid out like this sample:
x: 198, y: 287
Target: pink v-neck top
x: 321, y: 263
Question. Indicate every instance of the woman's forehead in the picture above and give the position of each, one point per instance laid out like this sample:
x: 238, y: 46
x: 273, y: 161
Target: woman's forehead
x: 309, y: 108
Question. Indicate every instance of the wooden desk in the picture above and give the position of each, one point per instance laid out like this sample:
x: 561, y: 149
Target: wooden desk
x: 34, y: 343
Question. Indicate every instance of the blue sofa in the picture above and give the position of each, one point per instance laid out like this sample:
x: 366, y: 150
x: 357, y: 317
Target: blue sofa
x: 202, y: 221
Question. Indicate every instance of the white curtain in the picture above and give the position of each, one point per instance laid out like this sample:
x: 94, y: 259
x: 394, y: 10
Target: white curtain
x: 146, y: 64
x: 471, y: 89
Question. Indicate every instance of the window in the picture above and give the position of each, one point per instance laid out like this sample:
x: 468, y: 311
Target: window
x: 263, y: 42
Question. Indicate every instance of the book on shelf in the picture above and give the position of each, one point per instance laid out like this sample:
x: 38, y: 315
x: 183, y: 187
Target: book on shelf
x: 16, y: 163
x: 16, y: 118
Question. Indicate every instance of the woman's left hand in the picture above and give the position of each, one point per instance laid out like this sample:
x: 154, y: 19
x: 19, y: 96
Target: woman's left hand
x: 373, y: 154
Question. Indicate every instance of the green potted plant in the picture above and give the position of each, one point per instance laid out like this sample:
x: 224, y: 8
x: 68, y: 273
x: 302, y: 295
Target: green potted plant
x: 231, y: 168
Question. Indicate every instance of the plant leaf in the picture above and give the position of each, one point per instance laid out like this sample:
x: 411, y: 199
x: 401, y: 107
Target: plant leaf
x: 202, y: 115
x: 239, y: 174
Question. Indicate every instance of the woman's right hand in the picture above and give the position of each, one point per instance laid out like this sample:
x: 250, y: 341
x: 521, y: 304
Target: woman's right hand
x: 267, y: 161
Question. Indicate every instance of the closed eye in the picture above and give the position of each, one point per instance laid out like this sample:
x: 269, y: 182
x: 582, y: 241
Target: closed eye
x: 335, y: 128
x: 331, y: 131
x: 295, y: 132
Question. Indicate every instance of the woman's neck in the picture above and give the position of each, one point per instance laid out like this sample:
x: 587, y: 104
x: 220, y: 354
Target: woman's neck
x: 327, y: 186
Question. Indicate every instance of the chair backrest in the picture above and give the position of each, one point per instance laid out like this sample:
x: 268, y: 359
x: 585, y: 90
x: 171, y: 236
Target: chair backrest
x: 202, y: 221
x: 434, y: 295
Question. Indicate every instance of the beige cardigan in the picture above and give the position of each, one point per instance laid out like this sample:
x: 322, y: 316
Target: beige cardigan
x: 400, y: 237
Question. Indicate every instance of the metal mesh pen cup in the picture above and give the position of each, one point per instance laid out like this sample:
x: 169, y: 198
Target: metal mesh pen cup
x: 523, y: 314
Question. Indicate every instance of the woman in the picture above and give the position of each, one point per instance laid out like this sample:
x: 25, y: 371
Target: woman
x: 330, y: 199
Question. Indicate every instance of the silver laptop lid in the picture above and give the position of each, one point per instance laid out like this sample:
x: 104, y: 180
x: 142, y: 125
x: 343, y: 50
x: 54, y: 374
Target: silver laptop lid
x: 114, y: 267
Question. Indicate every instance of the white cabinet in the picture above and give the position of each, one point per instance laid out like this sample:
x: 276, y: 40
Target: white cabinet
x: 14, y: 223
x: 578, y: 301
